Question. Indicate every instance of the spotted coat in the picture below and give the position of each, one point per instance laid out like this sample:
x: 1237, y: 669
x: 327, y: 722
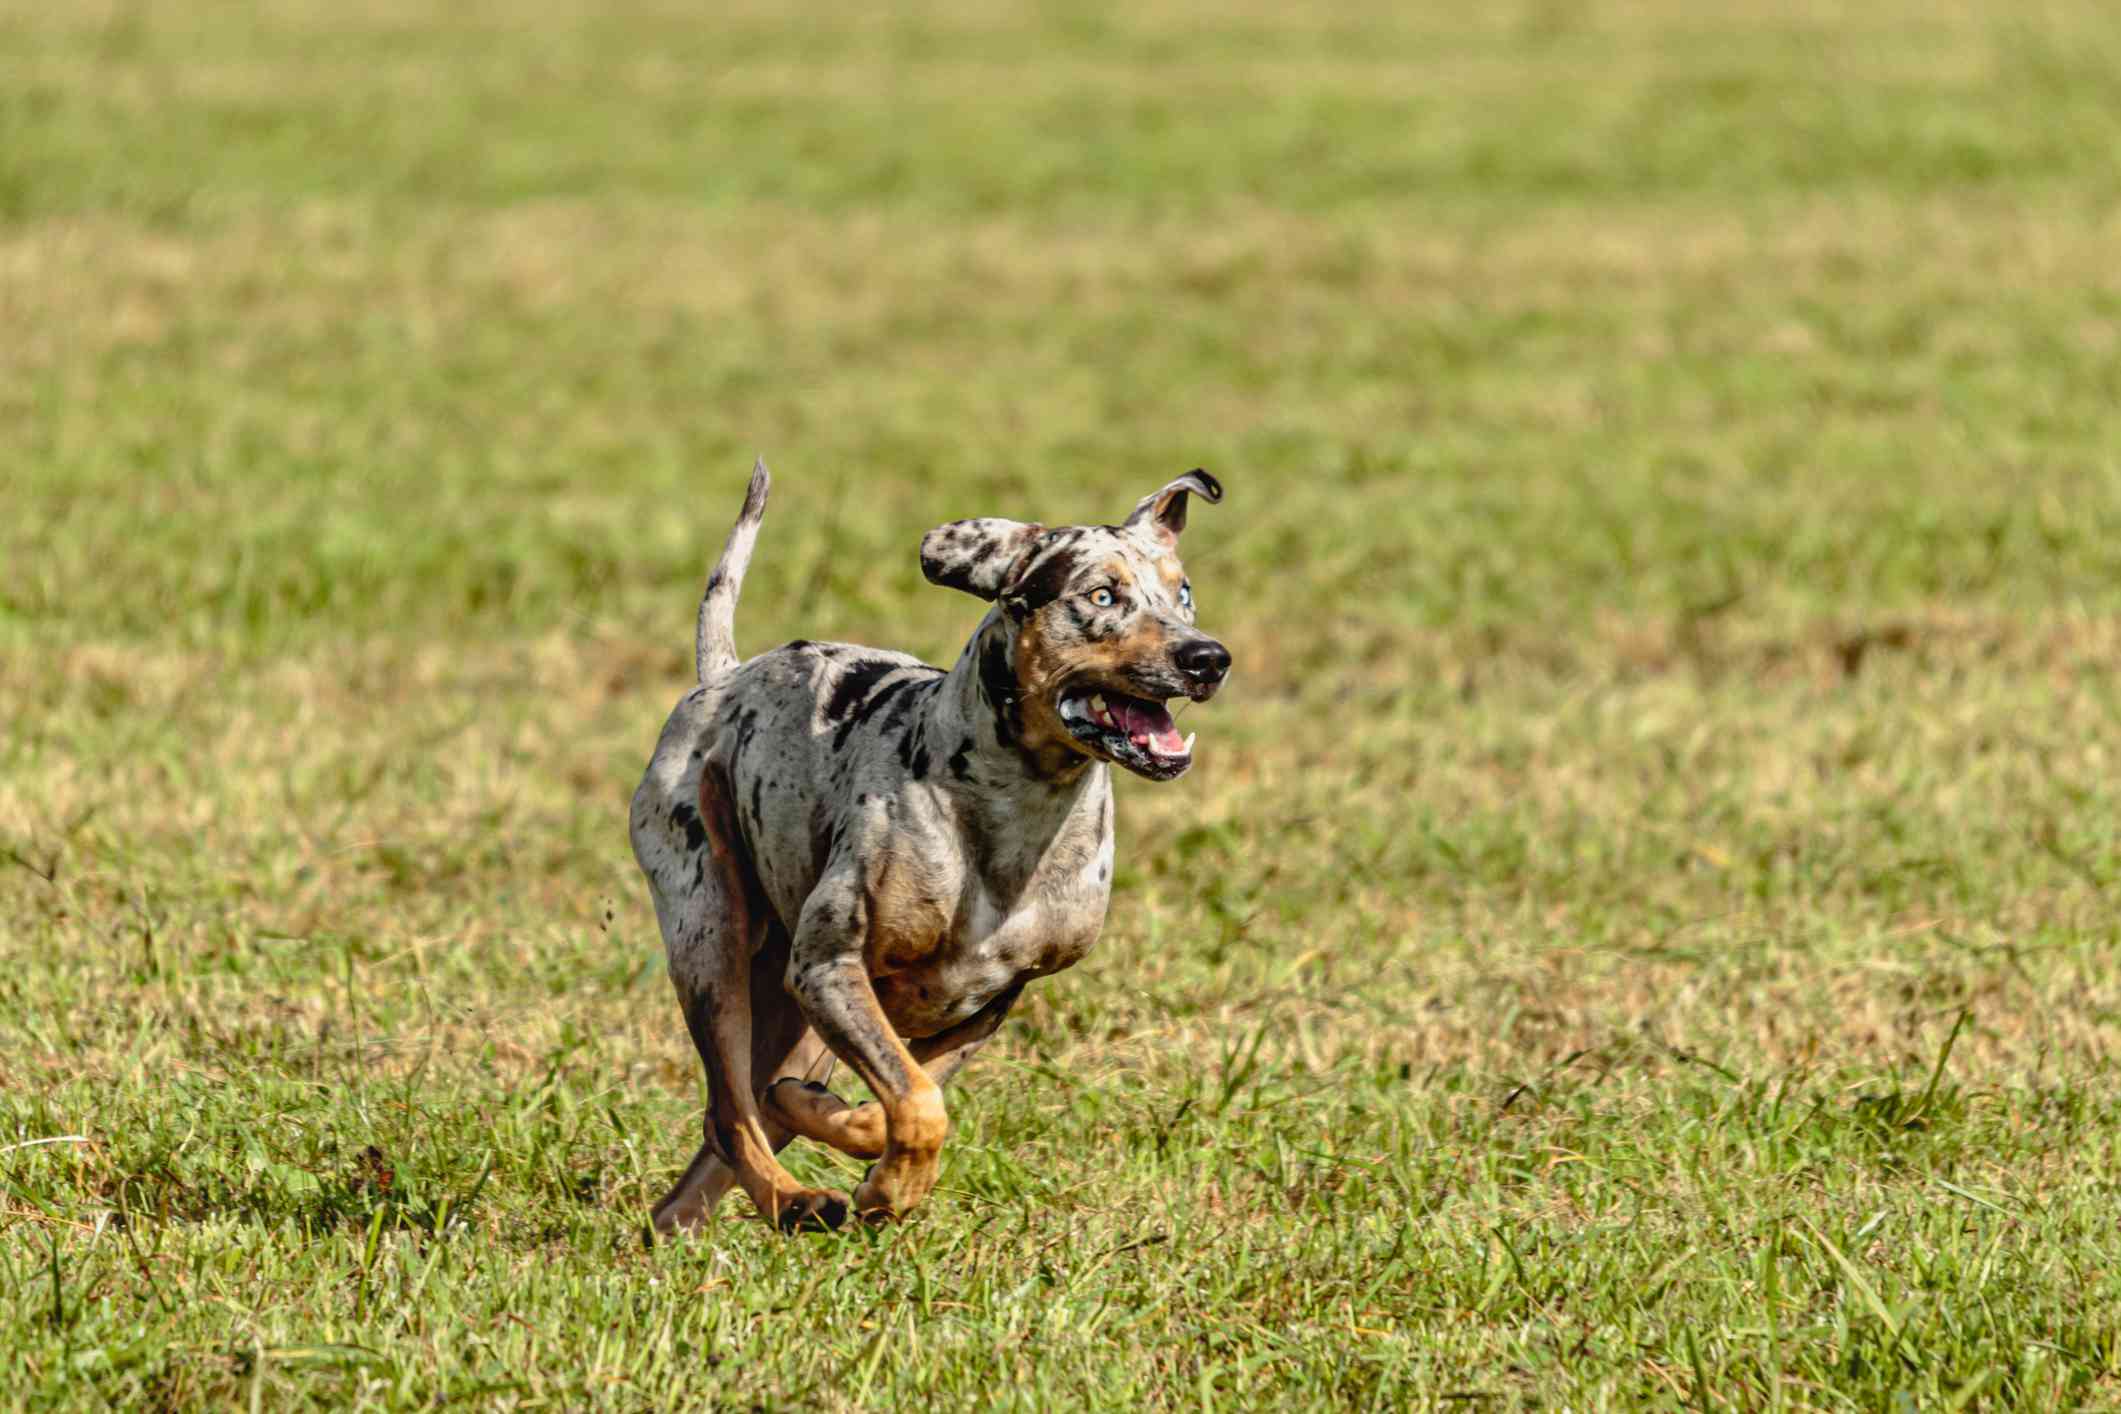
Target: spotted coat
x: 856, y: 856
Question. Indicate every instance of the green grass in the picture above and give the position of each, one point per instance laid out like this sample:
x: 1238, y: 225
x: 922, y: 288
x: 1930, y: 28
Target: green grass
x: 1641, y: 932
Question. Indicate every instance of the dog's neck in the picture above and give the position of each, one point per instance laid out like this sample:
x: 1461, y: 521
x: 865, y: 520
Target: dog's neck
x: 1021, y: 793
x: 983, y: 746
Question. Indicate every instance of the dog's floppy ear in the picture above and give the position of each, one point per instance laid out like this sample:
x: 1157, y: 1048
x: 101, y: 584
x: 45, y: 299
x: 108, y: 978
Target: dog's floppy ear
x: 976, y: 556
x: 1165, y: 512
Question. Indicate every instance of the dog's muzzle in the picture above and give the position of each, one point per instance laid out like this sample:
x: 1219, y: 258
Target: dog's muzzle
x: 1204, y: 663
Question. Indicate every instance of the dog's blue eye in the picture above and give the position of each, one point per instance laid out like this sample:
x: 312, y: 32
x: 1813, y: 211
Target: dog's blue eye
x: 1102, y: 598
x: 1185, y: 594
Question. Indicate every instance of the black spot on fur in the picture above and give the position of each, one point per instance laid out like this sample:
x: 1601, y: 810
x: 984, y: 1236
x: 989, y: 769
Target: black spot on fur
x: 889, y: 704
x: 865, y: 709
x: 688, y: 819
x: 961, y: 760
x: 747, y: 724
x: 913, y: 752
x: 800, y: 645
x: 758, y: 817
x: 854, y: 687
x: 997, y: 681
x: 1046, y: 582
x: 894, y: 700
x: 733, y: 772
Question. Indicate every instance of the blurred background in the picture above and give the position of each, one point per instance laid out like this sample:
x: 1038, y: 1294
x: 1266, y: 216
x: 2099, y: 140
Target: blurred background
x: 1671, y: 552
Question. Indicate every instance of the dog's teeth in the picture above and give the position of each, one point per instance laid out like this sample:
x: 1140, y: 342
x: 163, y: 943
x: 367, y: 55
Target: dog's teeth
x: 1185, y: 748
x: 1097, y: 704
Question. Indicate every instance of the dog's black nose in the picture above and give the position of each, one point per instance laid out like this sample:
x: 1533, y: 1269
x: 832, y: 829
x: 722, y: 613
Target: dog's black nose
x: 1203, y: 660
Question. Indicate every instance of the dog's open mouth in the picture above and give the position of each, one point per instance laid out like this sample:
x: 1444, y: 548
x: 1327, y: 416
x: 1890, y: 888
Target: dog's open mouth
x: 1136, y: 732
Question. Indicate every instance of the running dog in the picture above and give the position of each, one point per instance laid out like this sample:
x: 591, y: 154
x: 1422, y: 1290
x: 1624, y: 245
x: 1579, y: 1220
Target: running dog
x: 858, y: 857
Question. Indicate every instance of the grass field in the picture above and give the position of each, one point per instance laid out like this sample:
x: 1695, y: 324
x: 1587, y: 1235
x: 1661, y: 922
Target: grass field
x: 1642, y: 930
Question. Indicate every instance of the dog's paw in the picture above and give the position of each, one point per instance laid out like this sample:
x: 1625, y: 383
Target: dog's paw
x: 813, y: 1210
x: 876, y: 1204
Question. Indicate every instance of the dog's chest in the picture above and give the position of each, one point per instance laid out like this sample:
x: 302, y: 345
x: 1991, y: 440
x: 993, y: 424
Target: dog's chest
x: 996, y: 940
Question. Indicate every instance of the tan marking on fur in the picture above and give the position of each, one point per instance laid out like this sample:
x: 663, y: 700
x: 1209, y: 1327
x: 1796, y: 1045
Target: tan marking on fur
x: 1107, y: 660
x: 820, y: 1115
x: 919, y: 1121
x: 1042, y: 665
x: 860, y: 1130
x: 907, y: 926
x: 914, y: 1118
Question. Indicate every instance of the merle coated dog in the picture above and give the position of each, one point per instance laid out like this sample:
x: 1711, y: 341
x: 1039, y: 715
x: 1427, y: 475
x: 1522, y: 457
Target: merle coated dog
x: 856, y: 856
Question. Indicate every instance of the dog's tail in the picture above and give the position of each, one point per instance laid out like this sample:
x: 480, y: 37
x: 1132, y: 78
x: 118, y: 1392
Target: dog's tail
x: 716, y: 643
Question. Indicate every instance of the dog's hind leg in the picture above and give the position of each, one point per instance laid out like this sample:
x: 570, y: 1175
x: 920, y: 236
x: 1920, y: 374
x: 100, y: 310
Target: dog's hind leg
x: 709, y: 1177
x: 718, y: 971
x: 703, y: 1184
x: 782, y: 1046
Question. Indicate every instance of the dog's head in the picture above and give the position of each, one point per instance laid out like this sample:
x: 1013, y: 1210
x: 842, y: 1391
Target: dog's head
x: 1095, y: 628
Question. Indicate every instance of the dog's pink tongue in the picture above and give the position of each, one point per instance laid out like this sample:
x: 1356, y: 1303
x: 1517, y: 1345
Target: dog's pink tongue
x: 1150, y: 724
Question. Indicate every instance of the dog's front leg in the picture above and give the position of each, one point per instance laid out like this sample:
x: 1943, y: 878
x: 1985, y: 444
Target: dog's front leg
x: 808, y: 1108
x: 829, y: 977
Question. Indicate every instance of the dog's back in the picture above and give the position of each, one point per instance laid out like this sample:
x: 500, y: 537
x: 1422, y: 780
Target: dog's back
x: 799, y: 735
